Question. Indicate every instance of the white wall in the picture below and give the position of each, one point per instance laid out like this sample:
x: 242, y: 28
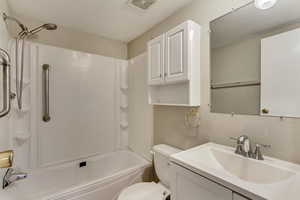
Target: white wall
x: 283, y: 135
x: 140, y: 112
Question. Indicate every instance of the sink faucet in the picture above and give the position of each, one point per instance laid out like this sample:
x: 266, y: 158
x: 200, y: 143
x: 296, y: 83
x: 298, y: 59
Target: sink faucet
x: 244, y: 148
x: 12, y: 176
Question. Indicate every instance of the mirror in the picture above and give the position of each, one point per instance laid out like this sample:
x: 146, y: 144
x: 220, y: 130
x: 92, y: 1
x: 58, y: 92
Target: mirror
x: 255, y: 61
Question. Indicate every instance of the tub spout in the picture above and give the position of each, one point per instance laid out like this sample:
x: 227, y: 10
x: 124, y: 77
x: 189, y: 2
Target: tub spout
x: 12, y: 176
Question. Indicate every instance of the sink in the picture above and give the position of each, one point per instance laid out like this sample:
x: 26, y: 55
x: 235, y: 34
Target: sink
x: 249, y: 169
x: 269, y: 179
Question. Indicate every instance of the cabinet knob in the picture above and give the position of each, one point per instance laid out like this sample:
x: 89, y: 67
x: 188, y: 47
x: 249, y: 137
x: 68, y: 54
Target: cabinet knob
x: 265, y: 111
x: 166, y: 74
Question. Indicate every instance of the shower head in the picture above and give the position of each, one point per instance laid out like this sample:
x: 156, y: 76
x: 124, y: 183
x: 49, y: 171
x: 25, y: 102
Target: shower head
x: 48, y: 27
x: 25, y: 32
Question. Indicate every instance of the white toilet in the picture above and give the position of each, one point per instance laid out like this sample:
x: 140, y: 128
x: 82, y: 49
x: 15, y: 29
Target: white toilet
x: 153, y: 191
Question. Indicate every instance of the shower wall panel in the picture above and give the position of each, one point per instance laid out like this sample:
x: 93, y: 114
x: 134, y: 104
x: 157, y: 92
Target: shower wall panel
x: 83, y: 105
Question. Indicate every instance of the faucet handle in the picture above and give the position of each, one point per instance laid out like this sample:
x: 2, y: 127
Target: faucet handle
x: 258, y: 153
x: 239, y: 146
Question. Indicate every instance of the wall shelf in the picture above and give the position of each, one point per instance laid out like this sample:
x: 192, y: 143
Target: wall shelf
x: 124, y: 124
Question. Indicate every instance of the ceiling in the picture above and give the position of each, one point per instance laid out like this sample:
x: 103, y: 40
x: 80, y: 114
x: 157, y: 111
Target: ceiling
x: 249, y: 21
x: 113, y: 19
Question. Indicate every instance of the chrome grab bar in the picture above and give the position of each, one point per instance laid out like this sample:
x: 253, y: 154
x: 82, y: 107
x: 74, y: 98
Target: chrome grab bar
x: 46, y: 74
x: 5, y: 62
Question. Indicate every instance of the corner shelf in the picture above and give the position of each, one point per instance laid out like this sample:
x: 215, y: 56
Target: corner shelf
x: 124, y: 124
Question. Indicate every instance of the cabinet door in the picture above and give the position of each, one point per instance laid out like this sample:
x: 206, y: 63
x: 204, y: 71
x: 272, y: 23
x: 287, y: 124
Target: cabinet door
x: 176, y: 68
x: 238, y: 197
x: 280, y: 83
x: 156, y: 60
x: 186, y: 185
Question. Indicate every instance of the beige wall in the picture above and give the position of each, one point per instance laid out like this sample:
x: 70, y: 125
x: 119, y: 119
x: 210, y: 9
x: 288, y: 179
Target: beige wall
x: 283, y: 135
x: 72, y: 39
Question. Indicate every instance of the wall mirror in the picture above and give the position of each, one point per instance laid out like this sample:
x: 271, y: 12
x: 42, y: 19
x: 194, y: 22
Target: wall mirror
x: 255, y: 61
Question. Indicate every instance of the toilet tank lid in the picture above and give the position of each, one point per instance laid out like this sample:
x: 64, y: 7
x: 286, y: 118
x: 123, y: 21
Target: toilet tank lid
x: 165, y: 149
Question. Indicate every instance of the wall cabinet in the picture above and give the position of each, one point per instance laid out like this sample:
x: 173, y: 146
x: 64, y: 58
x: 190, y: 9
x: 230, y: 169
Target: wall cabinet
x: 156, y: 48
x: 187, y: 185
x: 176, y: 54
x: 174, y: 66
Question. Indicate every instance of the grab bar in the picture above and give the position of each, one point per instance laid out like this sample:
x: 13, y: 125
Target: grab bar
x: 46, y: 116
x: 5, y: 62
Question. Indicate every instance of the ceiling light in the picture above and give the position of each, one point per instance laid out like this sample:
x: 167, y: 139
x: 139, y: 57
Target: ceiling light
x: 141, y: 4
x: 264, y: 4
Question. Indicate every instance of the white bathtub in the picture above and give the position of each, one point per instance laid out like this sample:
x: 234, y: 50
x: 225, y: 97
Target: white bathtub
x: 102, y: 179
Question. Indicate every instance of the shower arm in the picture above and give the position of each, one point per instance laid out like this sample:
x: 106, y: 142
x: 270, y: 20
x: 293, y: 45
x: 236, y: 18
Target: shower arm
x: 22, y: 26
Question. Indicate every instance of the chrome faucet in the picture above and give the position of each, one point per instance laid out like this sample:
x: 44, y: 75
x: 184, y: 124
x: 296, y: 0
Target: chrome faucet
x: 12, y: 176
x: 244, y: 148
x: 257, y: 153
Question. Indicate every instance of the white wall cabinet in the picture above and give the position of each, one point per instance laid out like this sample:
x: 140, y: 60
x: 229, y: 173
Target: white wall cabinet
x: 156, y: 48
x: 187, y: 185
x: 176, y: 54
x: 174, y: 66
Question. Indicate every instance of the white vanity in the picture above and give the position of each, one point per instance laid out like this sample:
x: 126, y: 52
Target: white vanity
x: 215, y: 172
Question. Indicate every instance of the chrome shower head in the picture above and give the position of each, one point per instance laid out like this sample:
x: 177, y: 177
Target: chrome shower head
x: 48, y: 27
x: 25, y: 32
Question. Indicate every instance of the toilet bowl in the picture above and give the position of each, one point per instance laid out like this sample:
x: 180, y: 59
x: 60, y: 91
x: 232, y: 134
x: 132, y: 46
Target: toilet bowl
x: 153, y: 191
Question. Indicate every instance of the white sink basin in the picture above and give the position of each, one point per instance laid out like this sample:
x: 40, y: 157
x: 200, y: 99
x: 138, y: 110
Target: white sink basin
x: 271, y: 179
x: 249, y: 169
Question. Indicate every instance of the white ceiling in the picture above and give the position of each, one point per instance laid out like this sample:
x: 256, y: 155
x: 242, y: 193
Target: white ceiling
x: 109, y: 18
x: 249, y: 21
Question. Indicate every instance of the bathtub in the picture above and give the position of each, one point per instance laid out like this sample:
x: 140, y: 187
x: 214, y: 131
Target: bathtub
x: 103, y: 178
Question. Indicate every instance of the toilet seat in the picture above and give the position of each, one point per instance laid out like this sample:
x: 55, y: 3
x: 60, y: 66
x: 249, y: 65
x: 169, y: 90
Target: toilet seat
x: 145, y: 191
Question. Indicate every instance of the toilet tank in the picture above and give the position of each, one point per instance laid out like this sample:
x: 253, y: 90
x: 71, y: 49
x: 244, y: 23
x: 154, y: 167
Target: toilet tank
x: 162, y: 153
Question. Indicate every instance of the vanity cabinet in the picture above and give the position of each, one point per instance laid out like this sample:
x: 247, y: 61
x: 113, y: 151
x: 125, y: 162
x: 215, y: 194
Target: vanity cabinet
x: 174, y: 66
x: 187, y: 185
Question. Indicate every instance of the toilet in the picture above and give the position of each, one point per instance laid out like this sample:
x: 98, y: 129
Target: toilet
x: 154, y: 191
